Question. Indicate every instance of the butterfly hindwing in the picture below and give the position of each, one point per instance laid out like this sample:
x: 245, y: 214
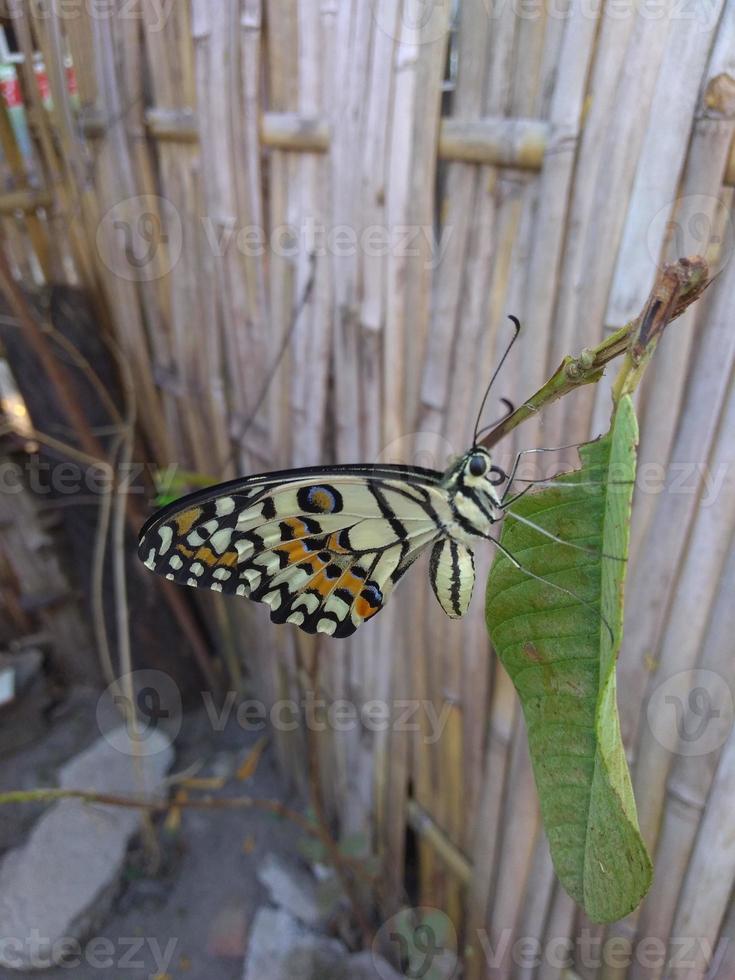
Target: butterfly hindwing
x: 322, y: 548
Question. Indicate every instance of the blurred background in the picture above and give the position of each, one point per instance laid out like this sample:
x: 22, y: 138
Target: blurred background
x: 245, y: 235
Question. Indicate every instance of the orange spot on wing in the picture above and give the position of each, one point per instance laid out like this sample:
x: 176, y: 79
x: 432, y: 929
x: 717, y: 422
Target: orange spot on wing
x: 350, y: 582
x: 321, y: 500
x: 228, y: 558
x: 184, y: 521
x: 334, y: 545
x: 186, y: 552
x: 297, y: 526
x: 294, y: 549
x: 207, y: 556
x: 321, y: 584
x: 363, y: 608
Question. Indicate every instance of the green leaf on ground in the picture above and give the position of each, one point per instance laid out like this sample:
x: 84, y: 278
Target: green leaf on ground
x: 560, y: 653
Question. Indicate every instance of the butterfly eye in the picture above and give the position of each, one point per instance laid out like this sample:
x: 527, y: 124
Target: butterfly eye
x: 497, y: 476
x: 478, y: 465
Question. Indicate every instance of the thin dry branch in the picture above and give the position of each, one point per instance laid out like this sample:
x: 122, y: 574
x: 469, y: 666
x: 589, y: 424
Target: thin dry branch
x: 677, y: 287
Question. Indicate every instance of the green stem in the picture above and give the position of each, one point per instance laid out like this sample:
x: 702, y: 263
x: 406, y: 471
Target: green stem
x: 677, y: 285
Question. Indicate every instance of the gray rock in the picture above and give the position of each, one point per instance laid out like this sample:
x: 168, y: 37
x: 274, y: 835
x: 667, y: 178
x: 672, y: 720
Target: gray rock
x: 57, y: 887
x: 281, y: 948
x: 291, y: 888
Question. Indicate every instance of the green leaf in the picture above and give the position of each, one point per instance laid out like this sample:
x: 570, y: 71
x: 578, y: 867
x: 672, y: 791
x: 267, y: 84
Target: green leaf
x: 172, y: 483
x: 560, y: 653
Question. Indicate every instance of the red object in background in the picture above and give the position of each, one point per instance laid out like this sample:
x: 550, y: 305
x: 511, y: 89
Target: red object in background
x: 11, y: 92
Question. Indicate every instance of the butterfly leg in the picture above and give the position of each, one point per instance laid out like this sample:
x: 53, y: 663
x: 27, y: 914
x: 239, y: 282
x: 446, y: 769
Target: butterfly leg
x: 557, y: 539
x: 506, y: 501
x: 538, y: 449
x: 560, y: 588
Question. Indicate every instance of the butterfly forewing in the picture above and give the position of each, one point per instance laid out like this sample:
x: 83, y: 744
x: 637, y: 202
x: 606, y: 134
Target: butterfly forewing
x: 323, y: 548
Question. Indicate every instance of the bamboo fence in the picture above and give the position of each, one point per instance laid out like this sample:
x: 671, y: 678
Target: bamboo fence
x: 304, y: 224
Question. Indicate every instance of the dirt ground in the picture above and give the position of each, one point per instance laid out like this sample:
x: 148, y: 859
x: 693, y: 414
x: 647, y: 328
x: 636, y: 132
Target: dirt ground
x: 190, y: 918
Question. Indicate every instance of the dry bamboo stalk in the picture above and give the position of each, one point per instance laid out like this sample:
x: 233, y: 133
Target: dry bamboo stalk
x: 485, y: 851
x: 692, y: 775
x: 29, y: 201
x: 515, y: 855
x: 697, y: 583
x: 184, y: 313
x: 425, y: 827
x: 704, y: 172
x: 177, y: 124
x: 708, y: 885
x: 537, y: 900
x: 543, y: 282
x: 397, y: 212
x: 313, y: 336
x: 498, y: 205
x: 559, y: 925
x: 215, y: 30
x: 584, y: 251
x: 494, y: 141
x: 452, y: 756
x: 73, y: 225
x: 661, y: 551
x: 444, y: 771
x: 660, y: 166
x: 356, y: 670
x: 388, y: 677
x: 656, y: 184
x: 294, y: 131
x: 280, y: 58
x: 723, y: 960
x: 520, y: 825
x: 118, y: 186
x: 78, y: 33
x: 518, y: 143
x: 656, y: 653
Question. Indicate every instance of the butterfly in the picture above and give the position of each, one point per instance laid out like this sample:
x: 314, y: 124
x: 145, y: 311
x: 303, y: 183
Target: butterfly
x: 324, y: 547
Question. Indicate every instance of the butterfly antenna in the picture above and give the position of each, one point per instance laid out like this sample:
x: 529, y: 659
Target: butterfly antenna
x: 517, y: 325
x: 509, y: 409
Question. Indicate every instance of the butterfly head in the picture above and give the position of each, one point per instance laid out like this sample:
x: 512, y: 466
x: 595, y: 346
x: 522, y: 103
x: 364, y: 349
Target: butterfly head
x: 475, y: 481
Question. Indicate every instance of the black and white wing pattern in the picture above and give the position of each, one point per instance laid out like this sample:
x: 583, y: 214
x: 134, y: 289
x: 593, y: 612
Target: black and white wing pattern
x: 322, y: 547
